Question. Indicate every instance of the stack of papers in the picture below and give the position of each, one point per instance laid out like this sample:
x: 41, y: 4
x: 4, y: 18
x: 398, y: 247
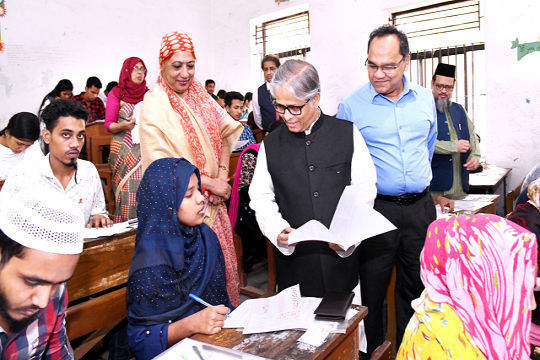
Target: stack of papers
x: 192, y: 349
x: 285, y: 311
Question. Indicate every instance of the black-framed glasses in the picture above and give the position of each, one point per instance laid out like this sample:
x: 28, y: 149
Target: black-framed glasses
x: 445, y: 87
x: 139, y: 69
x: 293, y: 109
x: 387, y: 69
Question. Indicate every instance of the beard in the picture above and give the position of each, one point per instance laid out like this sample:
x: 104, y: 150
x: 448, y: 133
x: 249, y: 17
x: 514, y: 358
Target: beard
x: 14, y: 323
x: 443, y: 104
x: 71, y: 163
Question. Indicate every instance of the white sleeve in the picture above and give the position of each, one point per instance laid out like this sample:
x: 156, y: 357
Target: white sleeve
x: 256, y: 109
x: 263, y: 202
x: 98, y: 203
x: 363, y: 173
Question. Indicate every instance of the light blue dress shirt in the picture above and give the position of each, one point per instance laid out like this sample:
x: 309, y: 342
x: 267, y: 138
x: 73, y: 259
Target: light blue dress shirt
x: 400, y: 135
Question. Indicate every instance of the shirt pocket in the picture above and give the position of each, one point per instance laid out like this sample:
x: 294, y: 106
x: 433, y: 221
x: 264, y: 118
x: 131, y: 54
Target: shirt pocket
x: 338, y: 169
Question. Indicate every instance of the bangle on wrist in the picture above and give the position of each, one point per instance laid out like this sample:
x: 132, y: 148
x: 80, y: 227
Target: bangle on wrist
x: 224, y: 168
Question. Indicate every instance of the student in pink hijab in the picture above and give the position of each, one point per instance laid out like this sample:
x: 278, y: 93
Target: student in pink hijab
x: 479, y: 274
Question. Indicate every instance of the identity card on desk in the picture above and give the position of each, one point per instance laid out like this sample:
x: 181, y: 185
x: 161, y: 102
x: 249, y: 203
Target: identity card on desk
x: 353, y: 222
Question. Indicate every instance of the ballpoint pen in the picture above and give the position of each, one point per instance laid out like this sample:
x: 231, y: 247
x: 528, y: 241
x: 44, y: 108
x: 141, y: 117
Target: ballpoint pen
x: 201, y: 301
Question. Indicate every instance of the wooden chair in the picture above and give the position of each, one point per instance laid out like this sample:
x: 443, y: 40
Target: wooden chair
x: 511, y: 197
x: 258, y: 134
x: 96, y: 139
x: 383, y: 352
x: 98, y: 285
x: 271, y: 263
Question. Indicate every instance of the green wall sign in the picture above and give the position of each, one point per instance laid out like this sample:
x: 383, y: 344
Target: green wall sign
x: 524, y: 49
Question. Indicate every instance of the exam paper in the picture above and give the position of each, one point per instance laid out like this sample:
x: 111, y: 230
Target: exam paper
x: 353, y: 222
x: 240, y: 143
x: 279, y: 312
x: 239, y: 316
x: 94, y: 233
x: 135, y: 131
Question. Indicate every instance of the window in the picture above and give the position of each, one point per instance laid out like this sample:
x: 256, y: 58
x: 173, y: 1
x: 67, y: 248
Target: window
x: 287, y: 37
x: 450, y: 32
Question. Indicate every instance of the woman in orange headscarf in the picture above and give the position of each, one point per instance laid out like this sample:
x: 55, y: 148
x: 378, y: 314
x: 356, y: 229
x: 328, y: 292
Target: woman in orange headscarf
x: 180, y: 119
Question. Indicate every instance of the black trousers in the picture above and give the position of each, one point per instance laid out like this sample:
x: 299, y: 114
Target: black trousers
x: 377, y: 257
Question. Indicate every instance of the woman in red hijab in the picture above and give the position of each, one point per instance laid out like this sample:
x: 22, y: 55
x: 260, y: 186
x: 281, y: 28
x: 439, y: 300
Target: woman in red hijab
x: 125, y: 156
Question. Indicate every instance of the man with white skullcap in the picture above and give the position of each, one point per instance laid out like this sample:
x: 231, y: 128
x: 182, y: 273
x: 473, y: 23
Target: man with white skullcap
x: 41, y: 238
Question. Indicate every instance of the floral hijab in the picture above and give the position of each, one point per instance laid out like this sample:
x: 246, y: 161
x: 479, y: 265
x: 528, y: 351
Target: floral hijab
x: 483, y: 267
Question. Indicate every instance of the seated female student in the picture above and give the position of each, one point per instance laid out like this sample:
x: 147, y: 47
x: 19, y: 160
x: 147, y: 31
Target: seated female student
x: 18, y: 144
x: 479, y: 273
x: 176, y: 254
x: 528, y: 216
x: 62, y: 90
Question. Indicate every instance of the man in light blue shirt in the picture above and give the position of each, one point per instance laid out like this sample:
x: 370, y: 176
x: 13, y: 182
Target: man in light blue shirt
x: 398, y: 122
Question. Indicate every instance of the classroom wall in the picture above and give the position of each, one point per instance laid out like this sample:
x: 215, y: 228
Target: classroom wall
x: 339, y: 35
x: 47, y: 41
x: 513, y: 125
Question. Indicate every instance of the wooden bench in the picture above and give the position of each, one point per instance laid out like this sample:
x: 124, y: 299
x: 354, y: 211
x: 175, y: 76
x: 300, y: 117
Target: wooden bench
x: 98, y: 289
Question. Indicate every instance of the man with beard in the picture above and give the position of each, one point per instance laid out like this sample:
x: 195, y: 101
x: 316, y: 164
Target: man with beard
x: 41, y: 238
x: 61, y: 170
x: 456, y: 149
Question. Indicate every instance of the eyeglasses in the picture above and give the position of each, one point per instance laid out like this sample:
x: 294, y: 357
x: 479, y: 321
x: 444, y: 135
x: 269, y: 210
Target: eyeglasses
x: 445, y: 87
x: 141, y: 69
x: 293, y: 109
x: 387, y: 69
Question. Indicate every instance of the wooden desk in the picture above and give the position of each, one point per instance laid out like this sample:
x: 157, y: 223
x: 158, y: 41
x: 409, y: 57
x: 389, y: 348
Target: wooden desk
x: 2, y: 183
x: 101, y: 272
x: 283, y: 345
x: 490, y: 208
x: 488, y: 179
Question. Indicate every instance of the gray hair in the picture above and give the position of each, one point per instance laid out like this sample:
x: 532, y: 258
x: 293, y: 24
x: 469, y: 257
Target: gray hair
x: 299, y: 77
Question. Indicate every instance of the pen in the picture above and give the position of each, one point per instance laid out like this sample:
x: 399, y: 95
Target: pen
x: 196, y: 349
x: 201, y: 301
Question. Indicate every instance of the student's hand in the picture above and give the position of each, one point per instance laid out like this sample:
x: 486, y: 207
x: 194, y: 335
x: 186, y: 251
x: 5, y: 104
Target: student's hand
x: 100, y: 221
x: 472, y: 164
x: 446, y: 204
x: 463, y: 146
x: 210, y: 320
x: 283, y: 237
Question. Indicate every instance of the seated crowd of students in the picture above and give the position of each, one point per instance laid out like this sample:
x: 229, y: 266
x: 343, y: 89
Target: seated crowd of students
x: 465, y: 285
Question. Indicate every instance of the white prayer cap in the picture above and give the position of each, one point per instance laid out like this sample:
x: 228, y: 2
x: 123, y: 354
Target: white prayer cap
x: 44, y: 220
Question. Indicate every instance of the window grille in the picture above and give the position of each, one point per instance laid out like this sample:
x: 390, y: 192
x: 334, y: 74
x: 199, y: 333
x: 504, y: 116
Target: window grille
x: 440, y: 18
x: 287, y: 37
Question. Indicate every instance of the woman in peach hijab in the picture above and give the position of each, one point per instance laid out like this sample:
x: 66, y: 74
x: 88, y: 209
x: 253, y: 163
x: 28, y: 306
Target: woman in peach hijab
x: 180, y: 119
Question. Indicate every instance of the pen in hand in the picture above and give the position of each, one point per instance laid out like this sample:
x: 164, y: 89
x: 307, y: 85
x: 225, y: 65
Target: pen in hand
x: 201, y: 301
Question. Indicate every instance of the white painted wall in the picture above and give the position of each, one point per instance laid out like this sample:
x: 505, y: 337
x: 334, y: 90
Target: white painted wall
x: 339, y: 35
x: 55, y: 39
x: 47, y: 41
x: 513, y: 126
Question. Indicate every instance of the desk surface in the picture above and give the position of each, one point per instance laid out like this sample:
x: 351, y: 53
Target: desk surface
x: 489, y: 177
x: 284, y: 345
x: 104, y: 263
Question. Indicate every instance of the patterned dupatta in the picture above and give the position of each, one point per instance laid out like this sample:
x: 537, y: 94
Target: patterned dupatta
x: 483, y: 267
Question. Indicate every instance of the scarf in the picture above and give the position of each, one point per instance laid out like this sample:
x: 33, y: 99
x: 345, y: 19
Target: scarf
x: 483, y: 267
x: 160, y: 239
x: 127, y: 90
x: 198, y: 100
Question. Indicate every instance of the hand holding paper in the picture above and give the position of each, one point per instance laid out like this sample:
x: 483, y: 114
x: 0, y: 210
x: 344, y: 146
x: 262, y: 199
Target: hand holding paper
x: 353, y: 222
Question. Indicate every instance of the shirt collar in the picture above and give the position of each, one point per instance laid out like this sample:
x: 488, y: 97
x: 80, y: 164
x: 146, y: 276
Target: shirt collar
x: 308, y: 131
x: 406, y: 89
x: 46, y: 170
